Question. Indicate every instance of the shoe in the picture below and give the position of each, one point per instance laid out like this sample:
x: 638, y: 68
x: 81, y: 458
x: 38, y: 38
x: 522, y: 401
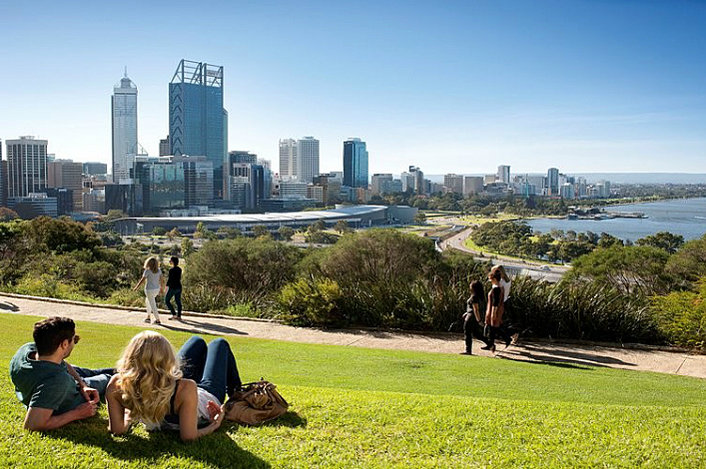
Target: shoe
x: 178, y: 318
x: 465, y: 353
x: 171, y: 318
x: 159, y: 323
x: 488, y: 347
x: 515, y: 338
x: 148, y: 320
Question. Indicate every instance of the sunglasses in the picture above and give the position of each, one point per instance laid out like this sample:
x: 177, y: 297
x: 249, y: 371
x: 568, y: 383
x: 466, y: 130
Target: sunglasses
x: 76, y: 339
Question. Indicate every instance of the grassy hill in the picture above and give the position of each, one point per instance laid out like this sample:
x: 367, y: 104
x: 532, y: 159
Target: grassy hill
x: 353, y: 407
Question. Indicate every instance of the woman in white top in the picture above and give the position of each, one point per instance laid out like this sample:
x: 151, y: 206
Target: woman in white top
x: 154, y: 285
x: 165, y: 391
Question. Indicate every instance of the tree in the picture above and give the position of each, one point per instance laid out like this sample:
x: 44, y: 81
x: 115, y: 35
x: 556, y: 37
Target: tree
x: 159, y: 231
x: 173, y: 233
x: 286, y: 232
x: 229, y: 232
x: 420, y: 218
x: 342, y: 227
x: 260, y: 231
x: 688, y: 264
x: 114, y: 214
x: 187, y: 247
x: 201, y: 231
x: 7, y: 214
x: 663, y: 240
x: 608, y: 240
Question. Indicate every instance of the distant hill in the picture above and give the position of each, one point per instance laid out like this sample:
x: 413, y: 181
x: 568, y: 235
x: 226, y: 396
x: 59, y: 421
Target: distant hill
x: 620, y: 178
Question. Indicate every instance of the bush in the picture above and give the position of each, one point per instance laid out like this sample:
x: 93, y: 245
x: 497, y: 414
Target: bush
x: 48, y: 286
x: 681, y: 317
x: 312, y: 302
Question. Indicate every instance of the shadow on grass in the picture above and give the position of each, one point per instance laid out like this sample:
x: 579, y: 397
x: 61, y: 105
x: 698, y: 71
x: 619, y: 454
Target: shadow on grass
x: 290, y: 419
x: 547, y: 360
x: 573, y: 354
x: 217, y: 449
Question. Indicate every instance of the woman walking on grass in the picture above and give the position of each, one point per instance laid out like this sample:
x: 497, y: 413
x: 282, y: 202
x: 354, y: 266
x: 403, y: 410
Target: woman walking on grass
x: 154, y: 285
x: 472, y: 319
x: 168, y: 392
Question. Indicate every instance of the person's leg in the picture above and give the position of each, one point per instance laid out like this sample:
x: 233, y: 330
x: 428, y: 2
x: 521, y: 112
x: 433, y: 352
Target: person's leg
x: 177, y: 298
x: 220, y: 375
x: 152, y: 302
x: 88, y: 372
x: 168, y: 300
x: 193, y: 358
x: 477, y: 332
x: 468, y: 334
x: 99, y: 382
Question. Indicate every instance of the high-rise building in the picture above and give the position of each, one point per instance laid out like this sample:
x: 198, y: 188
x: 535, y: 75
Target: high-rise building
x: 503, y: 174
x: 287, y: 159
x: 472, y: 185
x: 407, y: 180
x: 26, y: 166
x: 238, y: 156
x: 355, y: 163
x: 553, y: 181
x: 381, y: 183
x: 123, y: 105
x: 67, y: 175
x: 567, y: 191
x: 307, y: 159
x: 164, y: 149
x: 95, y: 169
x: 197, y: 120
x: 3, y: 179
x: 453, y: 183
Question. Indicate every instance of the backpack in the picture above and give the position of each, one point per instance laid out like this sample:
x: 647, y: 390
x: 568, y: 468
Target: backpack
x: 257, y: 403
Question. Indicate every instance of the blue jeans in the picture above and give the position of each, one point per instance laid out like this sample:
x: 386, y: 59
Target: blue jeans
x: 212, y: 366
x: 96, y: 379
x: 176, y: 294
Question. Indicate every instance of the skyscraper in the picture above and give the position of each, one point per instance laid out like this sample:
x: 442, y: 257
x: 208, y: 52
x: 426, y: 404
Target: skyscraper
x: 67, y: 175
x: 355, y: 163
x: 164, y: 146
x: 123, y: 105
x: 307, y: 159
x: 26, y: 166
x: 287, y: 159
x: 553, y: 181
x: 197, y: 120
x: 503, y: 174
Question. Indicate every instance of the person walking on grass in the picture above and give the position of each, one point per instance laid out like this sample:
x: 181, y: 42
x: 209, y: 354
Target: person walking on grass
x: 54, y: 392
x: 472, y: 319
x: 166, y: 391
x: 154, y: 285
x: 174, y: 288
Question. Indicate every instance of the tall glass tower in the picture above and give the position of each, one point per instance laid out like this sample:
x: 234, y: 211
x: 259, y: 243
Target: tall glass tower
x: 355, y: 163
x: 123, y: 105
x: 197, y: 120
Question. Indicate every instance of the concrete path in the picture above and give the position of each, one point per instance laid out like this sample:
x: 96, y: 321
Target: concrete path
x: 570, y: 355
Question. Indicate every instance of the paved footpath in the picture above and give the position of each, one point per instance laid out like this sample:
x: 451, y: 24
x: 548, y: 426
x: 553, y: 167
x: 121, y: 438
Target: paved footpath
x: 662, y: 361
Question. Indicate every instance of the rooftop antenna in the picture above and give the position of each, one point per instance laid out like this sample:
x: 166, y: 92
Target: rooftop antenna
x: 125, y: 71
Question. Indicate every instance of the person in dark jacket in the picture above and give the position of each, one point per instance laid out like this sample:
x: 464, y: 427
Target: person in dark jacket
x: 174, y: 288
x: 473, y: 319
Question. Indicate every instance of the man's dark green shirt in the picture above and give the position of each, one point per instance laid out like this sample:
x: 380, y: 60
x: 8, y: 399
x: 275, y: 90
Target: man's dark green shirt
x: 43, y: 384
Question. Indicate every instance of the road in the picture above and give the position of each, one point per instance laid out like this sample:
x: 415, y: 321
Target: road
x: 550, y: 273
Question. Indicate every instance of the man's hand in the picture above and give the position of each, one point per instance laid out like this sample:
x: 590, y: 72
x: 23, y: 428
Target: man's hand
x: 85, y: 410
x: 90, y: 394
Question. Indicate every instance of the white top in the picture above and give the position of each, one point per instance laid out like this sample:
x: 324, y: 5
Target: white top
x: 202, y: 412
x: 153, y: 278
x: 506, y: 287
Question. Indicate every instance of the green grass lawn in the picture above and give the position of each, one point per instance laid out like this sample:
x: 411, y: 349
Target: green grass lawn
x: 354, y: 407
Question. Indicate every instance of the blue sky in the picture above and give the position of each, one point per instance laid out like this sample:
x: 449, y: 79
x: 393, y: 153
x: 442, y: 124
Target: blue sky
x: 583, y: 85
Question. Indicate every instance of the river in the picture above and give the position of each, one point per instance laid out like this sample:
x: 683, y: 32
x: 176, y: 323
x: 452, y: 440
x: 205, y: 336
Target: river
x: 686, y: 217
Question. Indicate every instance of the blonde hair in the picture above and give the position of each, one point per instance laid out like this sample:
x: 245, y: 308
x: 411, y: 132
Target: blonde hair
x: 148, y: 371
x: 501, y: 269
x: 152, y: 264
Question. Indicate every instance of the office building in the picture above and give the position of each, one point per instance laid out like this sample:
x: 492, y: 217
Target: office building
x: 164, y: 149
x: 198, y: 179
x: 3, y: 179
x: 330, y: 184
x: 567, y: 191
x: 287, y: 159
x: 472, y: 185
x: 381, y: 183
x: 64, y: 199
x: 123, y: 105
x: 307, y: 159
x: 453, y: 183
x: 34, y: 204
x: 197, y: 120
x: 355, y: 163
x: 95, y: 169
x: 503, y: 174
x: 67, y: 175
x: 26, y: 166
x: 238, y: 156
x: 553, y: 181
x: 407, y: 180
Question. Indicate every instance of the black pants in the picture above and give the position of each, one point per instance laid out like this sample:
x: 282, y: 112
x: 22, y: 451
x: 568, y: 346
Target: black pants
x: 471, y: 329
x: 502, y: 331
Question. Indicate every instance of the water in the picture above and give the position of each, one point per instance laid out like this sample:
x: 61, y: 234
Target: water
x: 686, y: 217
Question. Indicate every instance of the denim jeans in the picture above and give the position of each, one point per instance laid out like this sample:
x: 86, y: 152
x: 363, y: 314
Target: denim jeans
x: 176, y: 294
x: 212, y: 366
x: 96, y: 379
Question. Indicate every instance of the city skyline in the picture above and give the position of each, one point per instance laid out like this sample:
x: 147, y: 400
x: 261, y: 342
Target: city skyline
x: 452, y: 87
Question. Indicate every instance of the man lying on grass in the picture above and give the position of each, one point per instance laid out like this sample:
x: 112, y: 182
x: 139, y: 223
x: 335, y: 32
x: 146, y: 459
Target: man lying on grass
x: 55, y: 392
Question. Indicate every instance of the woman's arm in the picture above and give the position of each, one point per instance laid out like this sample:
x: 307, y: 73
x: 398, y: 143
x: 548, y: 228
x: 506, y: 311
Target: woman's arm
x: 142, y: 280
x: 162, y: 288
x: 476, y: 312
x: 118, y: 415
x: 186, y: 403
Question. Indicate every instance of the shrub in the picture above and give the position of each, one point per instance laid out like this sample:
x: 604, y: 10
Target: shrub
x: 309, y: 302
x: 681, y: 317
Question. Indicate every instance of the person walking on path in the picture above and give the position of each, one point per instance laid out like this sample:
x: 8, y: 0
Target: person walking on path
x: 167, y: 391
x: 472, y: 320
x: 506, y: 284
x: 154, y: 285
x: 174, y: 288
x: 494, y: 312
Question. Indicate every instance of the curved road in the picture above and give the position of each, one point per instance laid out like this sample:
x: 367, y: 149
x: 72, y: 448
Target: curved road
x: 550, y: 273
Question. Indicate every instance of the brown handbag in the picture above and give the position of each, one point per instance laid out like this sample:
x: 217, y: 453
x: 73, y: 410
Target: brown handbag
x: 258, y: 402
